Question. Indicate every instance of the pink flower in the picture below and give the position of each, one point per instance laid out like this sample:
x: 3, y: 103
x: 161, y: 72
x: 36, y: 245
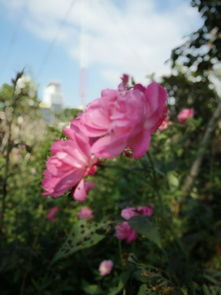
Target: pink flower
x: 164, y: 124
x: 145, y: 211
x: 127, y: 213
x: 123, y: 118
x: 71, y: 160
x: 185, y: 114
x: 125, y: 232
x: 82, y: 189
x: 119, y: 119
x: 105, y: 267
x: 51, y: 216
x: 85, y: 213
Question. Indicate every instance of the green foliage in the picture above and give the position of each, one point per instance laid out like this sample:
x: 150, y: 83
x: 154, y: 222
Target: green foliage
x: 67, y: 114
x: 83, y: 235
x: 146, y: 228
x: 178, y: 248
x: 207, y: 37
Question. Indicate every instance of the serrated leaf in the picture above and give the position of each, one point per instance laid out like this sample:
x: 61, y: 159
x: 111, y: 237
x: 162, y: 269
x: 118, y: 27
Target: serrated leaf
x: 144, y: 226
x: 82, y: 236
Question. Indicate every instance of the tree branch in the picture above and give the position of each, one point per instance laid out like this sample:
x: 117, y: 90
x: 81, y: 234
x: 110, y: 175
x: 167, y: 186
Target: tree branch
x: 200, y: 154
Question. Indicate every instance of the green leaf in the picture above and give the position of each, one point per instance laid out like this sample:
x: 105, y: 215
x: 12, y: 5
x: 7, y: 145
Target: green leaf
x: 82, y: 236
x: 206, y: 290
x: 144, y: 226
x: 117, y: 289
x: 143, y: 290
x: 173, y: 179
x: 92, y: 289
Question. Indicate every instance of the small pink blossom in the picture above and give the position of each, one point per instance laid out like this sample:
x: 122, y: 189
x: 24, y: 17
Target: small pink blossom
x: 128, y: 213
x: 125, y: 232
x: 82, y: 189
x: 145, y: 211
x: 51, y: 216
x: 105, y: 267
x: 85, y: 212
x: 185, y: 114
x: 165, y: 123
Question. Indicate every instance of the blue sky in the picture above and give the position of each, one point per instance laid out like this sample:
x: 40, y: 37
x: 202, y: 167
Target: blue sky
x: 119, y: 36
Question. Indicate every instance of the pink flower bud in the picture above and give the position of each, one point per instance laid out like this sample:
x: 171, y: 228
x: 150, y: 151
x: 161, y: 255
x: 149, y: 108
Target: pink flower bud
x: 127, y: 213
x: 51, y: 216
x: 185, y: 114
x: 85, y: 213
x: 165, y: 123
x: 105, y: 267
x: 125, y: 232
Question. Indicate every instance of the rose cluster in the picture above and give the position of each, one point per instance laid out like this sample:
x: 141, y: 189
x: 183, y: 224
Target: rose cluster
x: 120, y: 119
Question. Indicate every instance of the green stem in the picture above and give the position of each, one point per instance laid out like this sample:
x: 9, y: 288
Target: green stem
x: 156, y: 184
x: 168, y: 224
x: 120, y: 252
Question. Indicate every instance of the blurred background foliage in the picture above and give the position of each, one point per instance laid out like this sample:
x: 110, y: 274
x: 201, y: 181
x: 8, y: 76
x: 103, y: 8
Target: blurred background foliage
x: 178, y: 250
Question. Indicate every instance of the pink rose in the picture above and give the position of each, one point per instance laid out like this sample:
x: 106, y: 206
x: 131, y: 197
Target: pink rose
x: 51, y: 216
x: 123, y: 118
x: 185, y: 114
x: 127, y: 213
x: 71, y: 160
x: 105, y: 267
x: 119, y: 119
x: 85, y: 212
x: 125, y: 232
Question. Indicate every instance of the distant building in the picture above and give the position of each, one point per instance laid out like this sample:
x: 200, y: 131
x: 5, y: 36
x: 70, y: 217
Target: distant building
x: 53, y: 96
x: 52, y: 101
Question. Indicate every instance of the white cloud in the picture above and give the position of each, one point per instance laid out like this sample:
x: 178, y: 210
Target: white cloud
x: 136, y: 39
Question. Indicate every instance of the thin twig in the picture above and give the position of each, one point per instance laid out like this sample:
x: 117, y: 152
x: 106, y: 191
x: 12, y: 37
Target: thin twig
x: 8, y: 152
x: 194, y: 171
